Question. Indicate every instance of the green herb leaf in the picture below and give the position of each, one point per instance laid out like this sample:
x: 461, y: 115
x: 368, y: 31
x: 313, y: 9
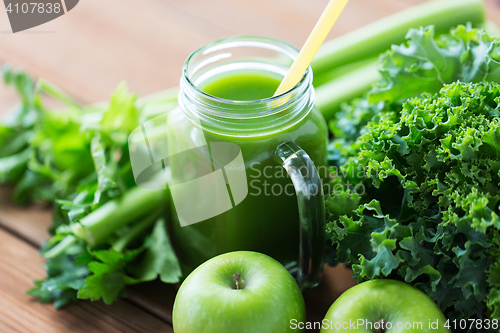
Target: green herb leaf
x: 159, y: 259
x: 425, y: 64
x: 108, y: 280
x: 64, y: 278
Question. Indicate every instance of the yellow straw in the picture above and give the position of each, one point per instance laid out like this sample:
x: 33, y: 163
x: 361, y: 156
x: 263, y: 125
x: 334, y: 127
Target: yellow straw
x: 316, y: 38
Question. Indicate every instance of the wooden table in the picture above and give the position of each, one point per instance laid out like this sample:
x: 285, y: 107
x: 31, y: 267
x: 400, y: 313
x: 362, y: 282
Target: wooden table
x: 88, y: 52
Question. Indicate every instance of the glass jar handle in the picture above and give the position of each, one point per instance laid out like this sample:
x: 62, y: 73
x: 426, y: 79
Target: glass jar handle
x: 309, y: 191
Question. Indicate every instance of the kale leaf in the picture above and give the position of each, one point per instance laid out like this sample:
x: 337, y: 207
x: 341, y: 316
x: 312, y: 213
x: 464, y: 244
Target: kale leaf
x: 427, y: 211
x: 416, y: 192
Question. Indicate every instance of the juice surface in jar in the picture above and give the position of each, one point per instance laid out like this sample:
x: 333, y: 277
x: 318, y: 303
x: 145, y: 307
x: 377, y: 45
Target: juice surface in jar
x: 243, y: 86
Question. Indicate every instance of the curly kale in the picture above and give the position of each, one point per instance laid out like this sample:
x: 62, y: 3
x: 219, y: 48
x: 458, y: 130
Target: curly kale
x: 422, y: 65
x: 428, y: 208
x: 416, y: 189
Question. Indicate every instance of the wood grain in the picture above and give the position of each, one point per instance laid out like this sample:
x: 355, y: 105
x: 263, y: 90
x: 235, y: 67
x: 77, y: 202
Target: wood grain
x: 20, y: 264
x: 102, y: 42
x: 29, y: 223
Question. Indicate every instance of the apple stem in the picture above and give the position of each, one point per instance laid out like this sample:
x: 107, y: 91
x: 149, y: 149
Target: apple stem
x: 381, y: 328
x: 238, y: 281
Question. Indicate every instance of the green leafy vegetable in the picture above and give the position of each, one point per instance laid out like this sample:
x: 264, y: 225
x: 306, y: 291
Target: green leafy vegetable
x: 159, y: 258
x: 64, y: 278
x: 425, y: 64
x: 80, y: 273
x: 418, y: 181
x: 108, y: 278
x: 108, y: 233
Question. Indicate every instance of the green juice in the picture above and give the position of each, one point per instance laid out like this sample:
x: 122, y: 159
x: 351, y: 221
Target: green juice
x: 267, y: 220
x: 242, y: 87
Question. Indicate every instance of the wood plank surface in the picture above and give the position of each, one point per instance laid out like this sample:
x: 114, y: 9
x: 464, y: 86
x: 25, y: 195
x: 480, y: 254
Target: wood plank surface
x: 31, y: 223
x: 20, y: 264
x: 87, y: 53
x: 102, y: 42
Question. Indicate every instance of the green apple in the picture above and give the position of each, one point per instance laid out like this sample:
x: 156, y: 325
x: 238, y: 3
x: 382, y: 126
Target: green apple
x: 384, y: 306
x: 238, y: 292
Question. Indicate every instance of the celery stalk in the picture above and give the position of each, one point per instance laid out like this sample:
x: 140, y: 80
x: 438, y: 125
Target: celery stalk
x: 101, y: 223
x: 62, y: 246
x: 331, y: 95
x: 57, y: 93
x: 378, y: 36
x: 333, y: 74
x: 121, y: 243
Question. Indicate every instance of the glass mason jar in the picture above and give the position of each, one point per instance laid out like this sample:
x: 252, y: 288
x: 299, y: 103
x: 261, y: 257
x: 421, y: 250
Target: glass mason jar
x: 262, y: 191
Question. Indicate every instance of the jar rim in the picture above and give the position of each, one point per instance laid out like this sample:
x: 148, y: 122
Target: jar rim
x: 246, y: 118
x: 275, y: 44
